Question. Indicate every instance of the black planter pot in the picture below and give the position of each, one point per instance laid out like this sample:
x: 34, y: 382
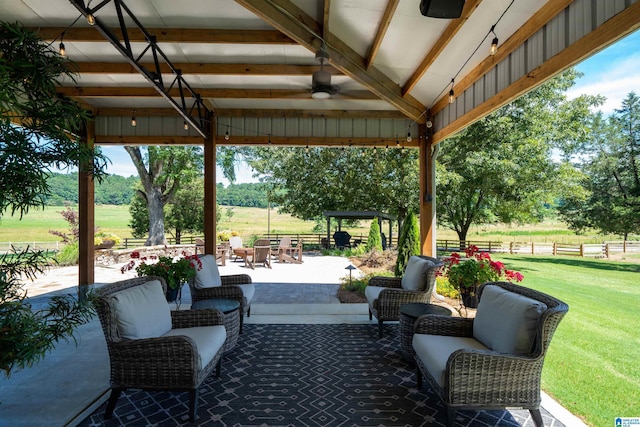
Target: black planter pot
x: 172, y: 294
x: 469, y: 300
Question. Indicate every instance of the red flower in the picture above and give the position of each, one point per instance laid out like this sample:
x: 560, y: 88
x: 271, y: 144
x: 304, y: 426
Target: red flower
x: 471, y: 250
x: 135, y: 254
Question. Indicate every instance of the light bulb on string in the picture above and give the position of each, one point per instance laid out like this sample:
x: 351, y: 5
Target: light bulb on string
x: 409, y: 139
x: 494, y: 42
x: 134, y: 122
x: 307, y: 149
x: 226, y: 135
x: 91, y: 20
x: 62, y: 50
x: 375, y: 150
x: 452, y: 96
x: 185, y: 125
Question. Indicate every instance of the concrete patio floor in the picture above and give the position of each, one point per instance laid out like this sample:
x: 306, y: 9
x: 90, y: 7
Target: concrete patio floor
x: 73, y: 380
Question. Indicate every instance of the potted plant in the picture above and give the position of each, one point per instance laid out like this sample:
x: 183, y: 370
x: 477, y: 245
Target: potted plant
x: 176, y: 271
x: 105, y: 240
x: 466, y: 274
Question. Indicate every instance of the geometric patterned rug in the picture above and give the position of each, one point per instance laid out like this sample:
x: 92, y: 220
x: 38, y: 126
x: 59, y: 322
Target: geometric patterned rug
x: 307, y: 375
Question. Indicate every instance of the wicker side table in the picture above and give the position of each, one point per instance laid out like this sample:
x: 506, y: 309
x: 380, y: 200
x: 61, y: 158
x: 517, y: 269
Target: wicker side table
x: 231, y: 310
x: 409, y: 313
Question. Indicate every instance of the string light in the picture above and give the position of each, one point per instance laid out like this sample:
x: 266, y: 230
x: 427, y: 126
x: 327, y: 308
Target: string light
x: 62, y: 50
x: 226, y: 135
x: 375, y: 150
x: 494, y: 42
x: 91, y: 20
x: 134, y: 122
x: 185, y: 125
x: 307, y: 149
x: 409, y: 139
x: 452, y: 95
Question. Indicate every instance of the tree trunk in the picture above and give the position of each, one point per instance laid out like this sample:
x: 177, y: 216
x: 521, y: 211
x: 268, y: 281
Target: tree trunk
x: 156, y: 219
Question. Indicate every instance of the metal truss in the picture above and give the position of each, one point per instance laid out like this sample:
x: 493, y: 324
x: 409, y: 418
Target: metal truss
x: 197, y: 115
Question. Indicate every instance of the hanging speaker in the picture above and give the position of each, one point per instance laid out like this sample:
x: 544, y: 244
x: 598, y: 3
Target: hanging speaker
x: 446, y: 9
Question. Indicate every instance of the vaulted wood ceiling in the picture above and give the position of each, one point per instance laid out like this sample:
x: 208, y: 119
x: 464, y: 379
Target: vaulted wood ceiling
x: 255, y: 58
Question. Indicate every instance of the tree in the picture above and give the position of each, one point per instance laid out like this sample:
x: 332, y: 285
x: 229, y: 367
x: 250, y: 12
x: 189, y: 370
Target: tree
x: 307, y: 183
x: 36, y: 136
x: 374, y: 241
x: 408, y: 243
x: 161, y: 171
x: 501, y: 168
x: 610, y: 166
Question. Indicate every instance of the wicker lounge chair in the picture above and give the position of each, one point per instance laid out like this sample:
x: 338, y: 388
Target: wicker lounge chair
x: 495, y: 360
x: 385, y: 295
x: 208, y: 284
x: 152, y: 348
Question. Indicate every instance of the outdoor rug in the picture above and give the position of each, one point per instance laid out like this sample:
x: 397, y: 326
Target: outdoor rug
x: 307, y: 375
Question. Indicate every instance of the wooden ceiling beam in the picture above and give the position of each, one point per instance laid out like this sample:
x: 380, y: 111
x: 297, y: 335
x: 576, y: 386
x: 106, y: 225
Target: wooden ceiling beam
x: 537, y: 21
x: 148, y: 92
x: 170, y: 35
x: 439, y: 46
x: 205, y: 69
x: 392, y: 5
x: 292, y: 21
x: 325, y: 18
x: 260, y: 112
x: 259, y: 140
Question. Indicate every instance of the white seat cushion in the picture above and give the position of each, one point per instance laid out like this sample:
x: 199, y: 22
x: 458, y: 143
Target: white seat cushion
x: 372, y: 293
x: 141, y: 311
x: 434, y: 351
x: 415, y: 275
x: 507, y: 322
x: 208, y: 276
x: 208, y: 339
x: 248, y: 291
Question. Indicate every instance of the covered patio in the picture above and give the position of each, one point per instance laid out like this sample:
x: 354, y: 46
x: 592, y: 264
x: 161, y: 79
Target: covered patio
x: 307, y: 73
x: 362, y: 73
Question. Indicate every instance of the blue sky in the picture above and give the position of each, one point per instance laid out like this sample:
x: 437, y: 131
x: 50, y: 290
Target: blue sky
x: 612, y: 72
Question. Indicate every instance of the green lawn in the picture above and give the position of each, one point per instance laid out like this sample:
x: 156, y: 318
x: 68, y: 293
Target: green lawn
x: 592, y: 367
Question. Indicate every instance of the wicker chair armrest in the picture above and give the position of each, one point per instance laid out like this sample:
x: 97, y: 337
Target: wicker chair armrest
x: 156, y: 351
x: 235, y: 279
x: 443, y: 325
x: 194, y: 318
x: 391, y: 299
x: 385, y: 281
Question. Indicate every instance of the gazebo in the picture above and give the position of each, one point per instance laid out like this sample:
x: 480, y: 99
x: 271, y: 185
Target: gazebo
x: 296, y: 73
x: 340, y: 215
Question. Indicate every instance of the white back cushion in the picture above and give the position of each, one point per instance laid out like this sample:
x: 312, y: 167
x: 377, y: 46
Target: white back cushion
x: 141, y: 311
x: 507, y: 322
x: 415, y: 275
x: 208, y: 276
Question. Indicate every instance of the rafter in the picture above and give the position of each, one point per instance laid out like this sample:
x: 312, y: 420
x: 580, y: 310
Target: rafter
x: 205, y: 69
x: 147, y: 92
x: 325, y: 18
x: 258, y: 140
x: 261, y: 112
x: 444, y: 39
x: 171, y: 35
x: 293, y: 22
x: 392, y: 5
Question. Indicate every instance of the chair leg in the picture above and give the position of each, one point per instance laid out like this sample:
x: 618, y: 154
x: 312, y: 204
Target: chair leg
x: 219, y: 367
x: 193, y: 404
x: 370, y: 314
x: 379, y: 328
x: 241, y: 322
x: 451, y: 416
x: 113, y: 398
x: 537, y: 417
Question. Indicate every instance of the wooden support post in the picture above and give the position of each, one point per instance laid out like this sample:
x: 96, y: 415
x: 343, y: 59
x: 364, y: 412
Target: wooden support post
x: 86, y: 217
x: 210, y: 190
x: 427, y: 194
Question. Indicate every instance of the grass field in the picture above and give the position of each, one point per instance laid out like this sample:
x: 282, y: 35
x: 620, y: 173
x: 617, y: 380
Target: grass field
x: 249, y: 221
x: 592, y: 365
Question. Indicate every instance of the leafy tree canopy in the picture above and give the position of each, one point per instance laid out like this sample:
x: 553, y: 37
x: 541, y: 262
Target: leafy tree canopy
x: 501, y: 168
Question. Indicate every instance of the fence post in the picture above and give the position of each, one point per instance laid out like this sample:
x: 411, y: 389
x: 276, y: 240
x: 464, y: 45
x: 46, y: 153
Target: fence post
x: 582, y: 250
x: 606, y: 250
x: 555, y: 248
x: 624, y: 246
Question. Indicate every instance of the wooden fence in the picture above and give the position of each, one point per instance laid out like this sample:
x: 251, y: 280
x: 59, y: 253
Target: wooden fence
x: 597, y: 250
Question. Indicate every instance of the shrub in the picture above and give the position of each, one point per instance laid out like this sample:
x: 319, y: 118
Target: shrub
x: 359, y: 283
x: 374, y: 241
x: 68, y: 255
x: 408, y: 244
